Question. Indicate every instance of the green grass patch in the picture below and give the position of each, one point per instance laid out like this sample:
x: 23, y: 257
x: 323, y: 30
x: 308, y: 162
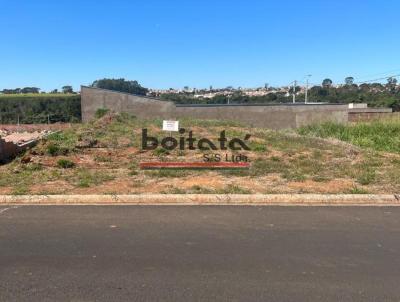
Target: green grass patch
x: 233, y: 189
x: 65, y: 163
x: 258, y: 147
x: 357, y: 190
x: 190, y: 122
x: 160, y: 152
x: 62, y: 142
x: 265, y: 166
x: 381, y: 135
x: 21, y: 176
x: 171, y: 173
x: 85, y: 178
x: 101, y: 112
x: 133, y: 168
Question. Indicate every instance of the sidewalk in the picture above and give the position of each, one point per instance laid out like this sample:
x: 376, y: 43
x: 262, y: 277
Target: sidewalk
x: 206, y: 199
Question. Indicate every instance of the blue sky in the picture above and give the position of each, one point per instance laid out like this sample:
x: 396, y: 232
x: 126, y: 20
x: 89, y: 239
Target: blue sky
x: 162, y: 44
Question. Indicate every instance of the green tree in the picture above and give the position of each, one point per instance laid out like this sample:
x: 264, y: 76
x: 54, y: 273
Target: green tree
x: 391, y: 81
x: 298, y: 88
x: 327, y: 83
x: 349, y: 81
x: 121, y: 85
x: 30, y: 90
x: 391, y: 84
x: 67, y: 89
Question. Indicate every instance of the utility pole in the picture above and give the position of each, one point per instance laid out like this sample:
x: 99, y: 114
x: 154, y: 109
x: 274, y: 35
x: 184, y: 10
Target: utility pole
x: 294, y: 91
x: 306, y: 94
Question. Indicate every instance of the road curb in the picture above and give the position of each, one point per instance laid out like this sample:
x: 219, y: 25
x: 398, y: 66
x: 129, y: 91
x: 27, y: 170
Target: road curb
x: 207, y: 199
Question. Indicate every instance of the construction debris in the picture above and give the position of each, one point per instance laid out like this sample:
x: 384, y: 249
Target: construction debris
x: 13, y: 143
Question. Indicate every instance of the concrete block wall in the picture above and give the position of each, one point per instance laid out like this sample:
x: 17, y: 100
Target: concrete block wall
x: 143, y: 107
x: 268, y: 116
x: 369, y: 114
x: 273, y: 117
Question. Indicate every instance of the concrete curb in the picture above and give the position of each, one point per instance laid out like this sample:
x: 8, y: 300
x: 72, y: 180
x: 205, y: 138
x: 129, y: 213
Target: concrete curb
x: 206, y: 199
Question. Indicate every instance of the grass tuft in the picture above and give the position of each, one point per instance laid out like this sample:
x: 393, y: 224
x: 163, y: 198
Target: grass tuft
x: 65, y: 163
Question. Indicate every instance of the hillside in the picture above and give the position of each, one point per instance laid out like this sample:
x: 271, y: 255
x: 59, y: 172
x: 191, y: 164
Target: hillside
x: 39, y: 108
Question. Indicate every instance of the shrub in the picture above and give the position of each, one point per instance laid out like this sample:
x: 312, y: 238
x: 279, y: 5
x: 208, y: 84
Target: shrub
x: 86, y: 178
x: 366, y: 177
x: 65, y: 140
x: 53, y: 149
x: 160, y: 152
x: 65, y: 164
x: 101, y: 112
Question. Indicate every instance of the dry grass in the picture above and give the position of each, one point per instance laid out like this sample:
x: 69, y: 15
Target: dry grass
x: 105, y: 156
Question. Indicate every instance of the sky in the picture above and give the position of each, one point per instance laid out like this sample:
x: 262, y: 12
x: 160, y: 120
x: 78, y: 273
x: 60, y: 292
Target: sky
x: 171, y: 44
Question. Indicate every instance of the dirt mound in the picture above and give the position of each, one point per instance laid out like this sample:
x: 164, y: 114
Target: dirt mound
x: 106, y: 120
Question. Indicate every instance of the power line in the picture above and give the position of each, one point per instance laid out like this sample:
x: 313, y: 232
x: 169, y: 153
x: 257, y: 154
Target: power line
x: 358, y: 82
x: 380, y: 79
x: 378, y: 74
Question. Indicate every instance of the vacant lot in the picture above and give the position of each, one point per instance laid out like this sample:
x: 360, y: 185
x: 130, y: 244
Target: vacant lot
x: 103, y: 157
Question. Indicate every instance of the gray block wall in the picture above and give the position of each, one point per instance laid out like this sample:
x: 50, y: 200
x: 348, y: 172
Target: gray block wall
x: 273, y: 117
x: 268, y: 116
x: 143, y: 107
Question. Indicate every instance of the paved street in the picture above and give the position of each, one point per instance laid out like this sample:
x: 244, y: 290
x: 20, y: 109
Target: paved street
x: 170, y: 253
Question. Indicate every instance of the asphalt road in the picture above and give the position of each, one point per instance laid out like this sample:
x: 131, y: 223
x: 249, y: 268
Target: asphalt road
x: 171, y: 253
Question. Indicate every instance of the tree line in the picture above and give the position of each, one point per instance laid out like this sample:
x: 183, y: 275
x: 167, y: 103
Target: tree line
x: 121, y: 85
x: 35, y: 90
x: 28, y: 106
x: 41, y: 108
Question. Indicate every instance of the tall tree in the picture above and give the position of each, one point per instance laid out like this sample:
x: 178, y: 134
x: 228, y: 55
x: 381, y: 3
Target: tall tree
x: 67, y: 89
x: 391, y: 81
x: 30, y: 90
x: 327, y: 83
x: 349, y: 81
x: 121, y: 85
x: 391, y: 84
